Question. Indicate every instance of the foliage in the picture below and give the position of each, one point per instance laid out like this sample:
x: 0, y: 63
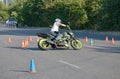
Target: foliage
x: 69, y: 12
x: 43, y: 12
x: 15, y: 8
x: 32, y: 12
x: 110, y: 15
x: 93, y: 8
x: 3, y: 12
x: 82, y: 14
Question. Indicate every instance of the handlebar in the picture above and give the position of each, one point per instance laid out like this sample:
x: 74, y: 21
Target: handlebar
x: 68, y: 27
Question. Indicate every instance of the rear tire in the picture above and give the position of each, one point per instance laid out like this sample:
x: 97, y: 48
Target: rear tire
x: 43, y: 44
x: 76, y: 44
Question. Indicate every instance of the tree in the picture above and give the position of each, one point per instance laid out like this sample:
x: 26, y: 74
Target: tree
x: 82, y: 14
x: 110, y: 15
x: 69, y: 12
x: 3, y: 12
x: 93, y: 8
x: 32, y: 12
x: 15, y: 8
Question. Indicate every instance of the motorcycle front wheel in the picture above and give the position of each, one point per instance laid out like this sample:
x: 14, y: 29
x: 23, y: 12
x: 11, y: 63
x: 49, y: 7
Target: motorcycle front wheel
x: 76, y: 44
x: 43, y: 44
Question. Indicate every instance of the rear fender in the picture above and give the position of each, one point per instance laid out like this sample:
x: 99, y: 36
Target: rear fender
x: 43, y: 35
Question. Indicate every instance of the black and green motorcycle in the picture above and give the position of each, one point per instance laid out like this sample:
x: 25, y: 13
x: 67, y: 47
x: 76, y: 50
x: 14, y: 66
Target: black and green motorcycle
x: 66, y: 41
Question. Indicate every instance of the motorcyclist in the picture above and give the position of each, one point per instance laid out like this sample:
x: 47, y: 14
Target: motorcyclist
x: 55, y: 29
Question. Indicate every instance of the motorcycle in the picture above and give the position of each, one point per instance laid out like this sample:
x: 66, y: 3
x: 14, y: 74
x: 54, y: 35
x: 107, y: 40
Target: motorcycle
x: 65, y: 41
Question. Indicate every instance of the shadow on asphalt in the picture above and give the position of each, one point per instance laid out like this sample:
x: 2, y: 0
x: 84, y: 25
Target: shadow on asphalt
x: 107, y: 49
x: 23, y: 48
x: 19, y: 70
x: 37, y: 49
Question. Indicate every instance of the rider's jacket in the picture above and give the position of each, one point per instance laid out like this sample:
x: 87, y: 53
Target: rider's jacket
x: 55, y: 26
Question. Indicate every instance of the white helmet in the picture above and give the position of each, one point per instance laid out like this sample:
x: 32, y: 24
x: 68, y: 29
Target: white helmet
x: 58, y: 20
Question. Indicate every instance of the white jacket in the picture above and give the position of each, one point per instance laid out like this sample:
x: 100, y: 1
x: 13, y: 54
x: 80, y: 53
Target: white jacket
x: 55, y: 26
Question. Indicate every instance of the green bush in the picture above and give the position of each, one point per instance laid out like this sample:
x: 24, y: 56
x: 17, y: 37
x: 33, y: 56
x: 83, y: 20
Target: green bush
x: 3, y: 12
x: 82, y: 14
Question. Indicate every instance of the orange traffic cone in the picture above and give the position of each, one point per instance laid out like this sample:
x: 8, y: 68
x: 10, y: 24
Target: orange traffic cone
x: 106, y: 39
x: 86, y: 39
x: 26, y: 42
x: 30, y: 38
x: 37, y: 40
x: 23, y: 44
x: 9, y: 40
x: 113, y: 41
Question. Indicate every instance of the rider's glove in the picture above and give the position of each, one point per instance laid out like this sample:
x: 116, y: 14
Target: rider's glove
x: 68, y: 27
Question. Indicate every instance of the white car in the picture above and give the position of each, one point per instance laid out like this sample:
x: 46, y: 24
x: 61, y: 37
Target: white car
x: 11, y: 22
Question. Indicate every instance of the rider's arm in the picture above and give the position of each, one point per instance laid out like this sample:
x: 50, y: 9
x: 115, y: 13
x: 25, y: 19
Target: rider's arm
x: 61, y: 24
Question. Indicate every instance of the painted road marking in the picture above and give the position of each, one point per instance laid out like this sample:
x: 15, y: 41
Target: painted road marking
x: 69, y: 64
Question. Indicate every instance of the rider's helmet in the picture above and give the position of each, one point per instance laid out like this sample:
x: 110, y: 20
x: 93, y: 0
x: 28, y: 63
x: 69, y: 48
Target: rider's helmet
x: 58, y: 20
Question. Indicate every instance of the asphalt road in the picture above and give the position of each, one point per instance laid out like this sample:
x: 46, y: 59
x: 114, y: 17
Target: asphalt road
x: 99, y: 61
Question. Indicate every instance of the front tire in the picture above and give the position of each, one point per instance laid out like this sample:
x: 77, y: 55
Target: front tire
x: 76, y: 44
x: 43, y: 44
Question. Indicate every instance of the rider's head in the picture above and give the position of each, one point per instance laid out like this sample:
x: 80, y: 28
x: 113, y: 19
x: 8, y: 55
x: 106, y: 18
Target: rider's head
x: 58, y: 20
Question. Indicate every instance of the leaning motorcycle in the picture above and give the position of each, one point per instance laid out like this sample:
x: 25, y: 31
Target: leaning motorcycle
x: 66, y: 41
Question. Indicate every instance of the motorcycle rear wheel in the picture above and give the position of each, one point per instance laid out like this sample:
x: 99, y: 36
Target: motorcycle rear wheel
x: 43, y: 44
x: 76, y: 44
